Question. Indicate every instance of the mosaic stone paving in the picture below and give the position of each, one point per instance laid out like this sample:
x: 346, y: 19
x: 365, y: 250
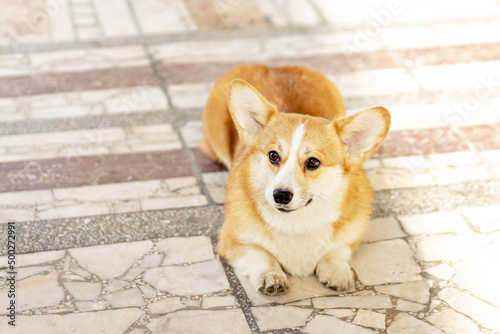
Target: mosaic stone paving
x: 116, y: 209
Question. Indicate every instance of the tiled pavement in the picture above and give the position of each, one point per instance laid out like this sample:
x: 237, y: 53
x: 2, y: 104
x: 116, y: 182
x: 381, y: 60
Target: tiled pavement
x: 117, y: 210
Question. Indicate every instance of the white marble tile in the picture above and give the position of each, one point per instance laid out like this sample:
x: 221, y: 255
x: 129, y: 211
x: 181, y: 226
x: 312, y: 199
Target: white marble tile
x: 166, y: 305
x: 77, y: 210
x: 109, y: 322
x: 173, y: 203
x: 152, y: 15
x: 404, y: 323
x: 125, y: 298
x: 442, y: 271
x: 481, y: 312
x: 323, y: 324
x: 407, y: 306
x: 17, y: 215
x: 479, y: 274
x: 196, y: 303
x: 376, y: 82
x: 84, y: 290
x: 445, y: 247
x: 433, y: 223
x: 133, y: 273
x: 110, y: 261
x: 22, y: 273
x: 218, y: 301
x: 212, y: 322
x: 453, y: 323
x: 24, y: 260
x: 369, y: 319
x: 387, y: 180
x: 109, y: 192
x: 303, y: 302
x: 383, y: 229
x: 186, y: 250
x: 31, y: 197
x: 86, y: 306
x: 216, y: 184
x: 485, y: 218
x: 385, y: 262
x: 115, y: 285
x: 278, y: 317
x: 137, y: 99
x: 116, y: 18
x: 152, y: 260
x: 147, y: 291
x: 373, y: 302
x: 189, y: 96
x: 194, y: 279
x: 417, y: 291
x: 340, y: 312
x: 192, y: 133
x: 34, y: 292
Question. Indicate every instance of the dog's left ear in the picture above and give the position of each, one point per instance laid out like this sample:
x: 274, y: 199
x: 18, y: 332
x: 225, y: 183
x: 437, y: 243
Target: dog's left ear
x: 363, y: 132
x: 249, y: 109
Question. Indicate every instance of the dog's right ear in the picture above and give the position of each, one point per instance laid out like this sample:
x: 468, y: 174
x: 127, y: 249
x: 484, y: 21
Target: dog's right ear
x: 249, y: 109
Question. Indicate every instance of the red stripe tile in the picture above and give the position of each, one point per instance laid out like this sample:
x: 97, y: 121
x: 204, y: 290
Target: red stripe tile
x: 210, y: 14
x: 92, y: 170
x: 206, y: 164
x: 46, y: 83
x: 337, y: 63
x: 455, y: 54
x: 405, y: 143
x: 484, y: 137
x: 420, y: 142
x: 334, y: 63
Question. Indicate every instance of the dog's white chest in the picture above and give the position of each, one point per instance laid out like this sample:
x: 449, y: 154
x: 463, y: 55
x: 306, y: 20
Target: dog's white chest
x: 299, y: 254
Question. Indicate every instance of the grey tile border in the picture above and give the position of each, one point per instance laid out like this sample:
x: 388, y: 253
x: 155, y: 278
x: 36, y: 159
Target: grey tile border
x: 37, y: 236
x: 197, y: 35
x: 86, y: 122
x: 420, y: 200
x: 239, y: 292
x: 174, y: 116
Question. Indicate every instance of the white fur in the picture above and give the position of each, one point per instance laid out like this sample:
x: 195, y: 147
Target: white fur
x: 363, y: 132
x: 327, y: 194
x: 255, y: 263
x: 333, y: 269
x: 248, y: 109
x: 301, y: 238
x: 284, y: 178
x: 299, y: 254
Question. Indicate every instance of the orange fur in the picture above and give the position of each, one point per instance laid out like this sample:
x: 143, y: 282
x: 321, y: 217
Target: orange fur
x: 289, y: 96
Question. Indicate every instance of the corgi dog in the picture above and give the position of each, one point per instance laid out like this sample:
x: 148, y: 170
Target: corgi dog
x: 297, y: 198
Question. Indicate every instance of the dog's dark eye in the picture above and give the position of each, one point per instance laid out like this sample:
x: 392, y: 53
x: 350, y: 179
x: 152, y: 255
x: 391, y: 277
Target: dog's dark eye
x: 312, y: 163
x: 274, y: 157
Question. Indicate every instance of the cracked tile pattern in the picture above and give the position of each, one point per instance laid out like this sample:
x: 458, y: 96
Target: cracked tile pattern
x: 117, y: 209
x: 176, y: 280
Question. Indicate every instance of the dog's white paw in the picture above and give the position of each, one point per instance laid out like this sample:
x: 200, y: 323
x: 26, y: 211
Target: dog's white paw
x: 335, y: 274
x: 273, y: 284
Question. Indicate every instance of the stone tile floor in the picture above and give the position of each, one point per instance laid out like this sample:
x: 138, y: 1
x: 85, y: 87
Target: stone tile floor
x: 117, y: 210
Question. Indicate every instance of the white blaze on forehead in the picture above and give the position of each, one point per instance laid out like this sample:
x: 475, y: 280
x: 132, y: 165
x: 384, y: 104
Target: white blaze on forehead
x: 284, y: 178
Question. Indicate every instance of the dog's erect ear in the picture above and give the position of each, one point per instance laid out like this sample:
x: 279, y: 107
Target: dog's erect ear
x: 364, y: 132
x: 249, y: 109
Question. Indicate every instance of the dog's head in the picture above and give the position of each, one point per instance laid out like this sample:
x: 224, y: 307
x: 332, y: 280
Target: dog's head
x: 300, y: 165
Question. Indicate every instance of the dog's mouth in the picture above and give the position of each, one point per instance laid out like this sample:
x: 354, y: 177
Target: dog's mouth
x: 285, y: 210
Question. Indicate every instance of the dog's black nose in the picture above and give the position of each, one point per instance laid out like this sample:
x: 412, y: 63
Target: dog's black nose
x: 282, y: 196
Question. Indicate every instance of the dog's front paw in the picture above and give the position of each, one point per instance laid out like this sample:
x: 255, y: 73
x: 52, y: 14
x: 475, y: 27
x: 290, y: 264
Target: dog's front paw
x: 273, y: 284
x: 335, y: 274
